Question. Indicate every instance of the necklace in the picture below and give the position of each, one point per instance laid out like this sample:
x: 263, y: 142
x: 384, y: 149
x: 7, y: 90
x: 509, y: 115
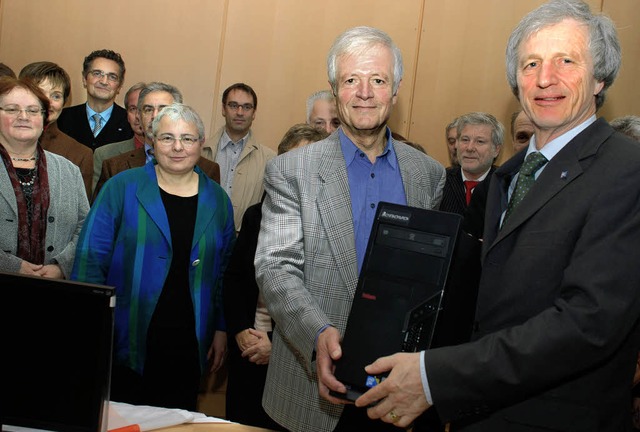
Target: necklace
x: 23, y: 175
x: 32, y: 158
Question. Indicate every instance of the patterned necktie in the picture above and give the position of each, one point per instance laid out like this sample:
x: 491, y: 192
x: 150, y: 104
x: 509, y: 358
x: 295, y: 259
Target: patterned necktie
x: 469, y: 185
x: 526, y: 178
x: 98, y: 124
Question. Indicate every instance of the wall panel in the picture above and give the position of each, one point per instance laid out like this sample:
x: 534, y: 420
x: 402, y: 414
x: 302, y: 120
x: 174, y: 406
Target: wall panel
x: 453, y: 52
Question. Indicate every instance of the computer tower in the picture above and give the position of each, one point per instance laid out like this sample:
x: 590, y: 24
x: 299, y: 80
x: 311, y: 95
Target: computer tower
x: 400, y: 290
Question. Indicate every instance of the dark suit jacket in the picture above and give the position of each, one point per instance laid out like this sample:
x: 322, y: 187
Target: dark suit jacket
x: 558, y: 316
x: 454, y: 195
x: 60, y: 143
x: 240, y: 288
x: 245, y: 383
x: 74, y: 122
x: 136, y: 158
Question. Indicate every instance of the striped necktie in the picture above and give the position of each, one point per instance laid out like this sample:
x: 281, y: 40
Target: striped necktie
x: 98, y: 124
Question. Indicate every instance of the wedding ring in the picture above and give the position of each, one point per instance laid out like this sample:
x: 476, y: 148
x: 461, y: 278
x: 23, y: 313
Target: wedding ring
x: 393, y: 416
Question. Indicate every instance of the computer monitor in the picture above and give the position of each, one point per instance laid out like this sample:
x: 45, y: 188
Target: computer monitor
x: 56, y: 339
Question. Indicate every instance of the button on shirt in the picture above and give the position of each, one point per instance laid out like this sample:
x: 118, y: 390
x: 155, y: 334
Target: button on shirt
x: 228, y: 157
x: 369, y: 184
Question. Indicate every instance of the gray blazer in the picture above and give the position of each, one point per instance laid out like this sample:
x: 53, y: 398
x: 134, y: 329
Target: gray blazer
x: 306, y: 265
x: 68, y: 208
x: 107, y: 151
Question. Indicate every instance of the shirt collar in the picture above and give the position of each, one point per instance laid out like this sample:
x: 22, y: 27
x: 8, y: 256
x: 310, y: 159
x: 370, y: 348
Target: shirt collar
x: 226, y: 139
x: 350, y: 150
x: 481, y: 178
x: 555, y: 145
x: 104, y: 114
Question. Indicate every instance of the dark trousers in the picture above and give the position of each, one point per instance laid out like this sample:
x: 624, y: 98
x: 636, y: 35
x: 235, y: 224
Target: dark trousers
x: 245, y: 385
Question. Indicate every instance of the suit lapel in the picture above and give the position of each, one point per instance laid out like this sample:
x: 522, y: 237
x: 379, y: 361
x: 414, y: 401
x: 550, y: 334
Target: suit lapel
x: 562, y: 170
x: 137, y: 159
x: 148, y: 195
x: 207, y: 207
x: 6, y: 190
x: 416, y: 195
x: 334, y: 208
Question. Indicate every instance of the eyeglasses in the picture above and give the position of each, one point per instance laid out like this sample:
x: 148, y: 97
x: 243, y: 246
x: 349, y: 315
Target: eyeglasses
x: 29, y: 111
x: 98, y: 74
x: 234, y: 106
x: 147, y: 110
x: 187, y: 141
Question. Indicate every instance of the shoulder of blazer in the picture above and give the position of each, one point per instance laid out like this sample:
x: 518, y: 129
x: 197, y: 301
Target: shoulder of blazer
x: 210, y: 168
x: 73, y: 115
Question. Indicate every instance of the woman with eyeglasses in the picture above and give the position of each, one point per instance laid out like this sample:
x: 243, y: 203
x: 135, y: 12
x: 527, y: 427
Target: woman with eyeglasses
x: 43, y: 202
x: 162, y: 235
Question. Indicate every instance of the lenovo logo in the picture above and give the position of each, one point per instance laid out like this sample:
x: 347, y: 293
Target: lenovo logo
x: 395, y: 216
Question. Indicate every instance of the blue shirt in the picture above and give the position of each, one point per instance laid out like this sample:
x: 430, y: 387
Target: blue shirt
x: 370, y: 183
x: 106, y: 115
x: 148, y: 153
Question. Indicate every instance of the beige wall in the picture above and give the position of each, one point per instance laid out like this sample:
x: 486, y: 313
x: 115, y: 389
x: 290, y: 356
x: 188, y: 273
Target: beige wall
x: 453, y: 52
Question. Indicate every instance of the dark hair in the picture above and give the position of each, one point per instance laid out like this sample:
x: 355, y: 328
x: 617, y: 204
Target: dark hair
x: 107, y: 54
x: 245, y: 88
x: 40, y: 71
x: 6, y: 71
x: 297, y: 133
x: 7, y: 84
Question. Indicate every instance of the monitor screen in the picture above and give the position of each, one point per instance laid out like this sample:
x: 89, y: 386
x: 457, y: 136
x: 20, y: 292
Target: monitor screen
x: 56, y: 341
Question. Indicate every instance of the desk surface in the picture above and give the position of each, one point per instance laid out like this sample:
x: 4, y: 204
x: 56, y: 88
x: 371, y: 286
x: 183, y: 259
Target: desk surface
x: 212, y: 427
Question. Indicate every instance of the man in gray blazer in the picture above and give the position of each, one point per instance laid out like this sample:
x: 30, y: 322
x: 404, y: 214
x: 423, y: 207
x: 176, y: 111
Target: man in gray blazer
x: 317, y: 216
x: 557, y: 323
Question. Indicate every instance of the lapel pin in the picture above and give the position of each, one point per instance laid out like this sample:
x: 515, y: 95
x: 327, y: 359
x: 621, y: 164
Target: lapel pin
x: 564, y: 174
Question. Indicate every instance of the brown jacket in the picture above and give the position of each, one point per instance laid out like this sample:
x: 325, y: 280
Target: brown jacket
x: 62, y: 144
x: 136, y: 158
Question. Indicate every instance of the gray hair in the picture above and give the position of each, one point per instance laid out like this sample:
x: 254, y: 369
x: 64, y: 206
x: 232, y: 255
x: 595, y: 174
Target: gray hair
x: 359, y: 39
x: 158, y: 86
x: 481, y: 118
x: 603, y: 40
x: 319, y: 95
x: 135, y: 87
x: 628, y: 125
x: 452, y: 125
x: 177, y: 111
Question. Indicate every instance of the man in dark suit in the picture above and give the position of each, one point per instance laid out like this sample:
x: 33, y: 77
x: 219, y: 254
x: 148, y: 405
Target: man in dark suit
x: 557, y: 324
x: 100, y: 120
x: 153, y: 97
x: 479, y: 139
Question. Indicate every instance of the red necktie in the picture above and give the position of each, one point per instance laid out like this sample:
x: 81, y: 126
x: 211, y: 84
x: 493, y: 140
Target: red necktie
x: 468, y: 187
